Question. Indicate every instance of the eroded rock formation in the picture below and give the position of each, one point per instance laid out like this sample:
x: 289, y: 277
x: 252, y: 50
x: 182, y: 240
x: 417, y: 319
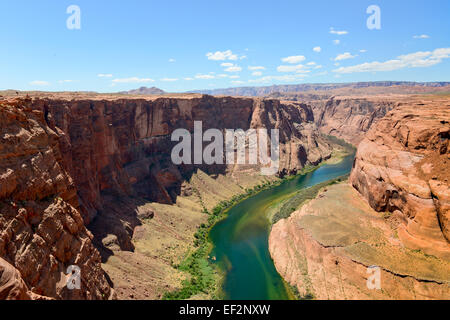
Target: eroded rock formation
x: 403, y: 167
x: 326, y: 249
x: 349, y: 118
x: 346, y: 116
x: 124, y: 145
x: 393, y: 214
x: 41, y: 229
x: 68, y: 164
x: 12, y: 286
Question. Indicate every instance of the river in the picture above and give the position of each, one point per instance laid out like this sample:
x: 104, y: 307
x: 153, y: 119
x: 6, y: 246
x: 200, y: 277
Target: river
x: 241, y: 239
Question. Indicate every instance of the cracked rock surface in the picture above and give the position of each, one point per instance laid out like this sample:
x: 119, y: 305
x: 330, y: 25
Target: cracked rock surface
x: 394, y: 213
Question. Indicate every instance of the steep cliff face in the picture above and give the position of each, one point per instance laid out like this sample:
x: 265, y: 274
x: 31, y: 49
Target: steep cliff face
x: 349, y: 118
x: 393, y: 214
x: 41, y: 231
x: 123, y: 146
x: 403, y: 167
x: 346, y: 116
x: 65, y: 164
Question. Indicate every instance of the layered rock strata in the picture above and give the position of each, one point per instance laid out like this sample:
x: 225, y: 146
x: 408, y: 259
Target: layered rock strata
x: 403, y: 167
x: 41, y: 228
x: 349, y: 118
x: 332, y: 247
x: 392, y: 214
x: 96, y: 162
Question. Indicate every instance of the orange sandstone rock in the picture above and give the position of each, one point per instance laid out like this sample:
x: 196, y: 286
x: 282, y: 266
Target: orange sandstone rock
x: 403, y: 165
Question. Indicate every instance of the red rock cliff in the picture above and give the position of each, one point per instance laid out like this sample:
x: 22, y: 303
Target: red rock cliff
x: 66, y: 164
x: 403, y: 166
x: 394, y: 214
x: 349, y: 118
x: 41, y: 231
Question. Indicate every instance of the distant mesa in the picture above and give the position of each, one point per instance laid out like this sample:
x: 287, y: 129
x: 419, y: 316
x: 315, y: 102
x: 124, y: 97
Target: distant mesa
x: 145, y: 90
x: 396, y: 87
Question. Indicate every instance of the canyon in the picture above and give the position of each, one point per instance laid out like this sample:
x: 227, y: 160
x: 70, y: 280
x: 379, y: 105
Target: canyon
x: 87, y: 179
x: 349, y: 117
x: 89, y: 182
x: 393, y: 213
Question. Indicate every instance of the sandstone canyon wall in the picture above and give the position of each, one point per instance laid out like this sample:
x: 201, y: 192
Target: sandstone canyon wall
x: 403, y: 166
x: 393, y: 214
x: 41, y: 229
x: 67, y: 164
x: 349, y: 118
x: 345, y: 116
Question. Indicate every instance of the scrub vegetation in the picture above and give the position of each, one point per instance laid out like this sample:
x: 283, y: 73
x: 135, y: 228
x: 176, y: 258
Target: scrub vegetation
x: 203, y: 275
x: 301, y: 196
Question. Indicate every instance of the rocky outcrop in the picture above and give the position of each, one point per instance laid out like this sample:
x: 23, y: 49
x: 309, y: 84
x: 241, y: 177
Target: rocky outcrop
x: 403, y: 167
x: 331, y: 247
x: 393, y: 214
x: 68, y: 164
x: 12, y: 286
x: 347, y: 117
x: 123, y: 146
x: 41, y: 229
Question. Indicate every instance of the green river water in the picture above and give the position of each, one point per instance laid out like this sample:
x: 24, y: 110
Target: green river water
x: 241, y: 239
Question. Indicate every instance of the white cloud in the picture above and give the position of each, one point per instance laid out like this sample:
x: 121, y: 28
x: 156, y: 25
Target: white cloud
x: 237, y: 82
x: 412, y: 60
x: 297, y: 68
x: 363, y: 50
x: 133, y: 80
x: 293, y: 59
x: 221, y: 55
x: 422, y: 36
x: 204, y: 76
x: 104, y: 75
x: 169, y: 79
x: 318, y: 66
x: 254, y: 68
x: 243, y: 57
x: 312, y: 63
x: 337, y: 64
x: 336, y: 42
x: 230, y: 67
x: 39, y: 83
x: 233, y: 69
x: 188, y: 79
x: 222, y: 75
x: 172, y: 60
x: 257, y: 73
x: 317, y: 49
x: 344, y: 56
x: 286, y: 78
x: 234, y: 77
x: 339, y: 33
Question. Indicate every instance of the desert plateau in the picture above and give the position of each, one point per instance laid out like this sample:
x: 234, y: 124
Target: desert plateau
x: 185, y: 161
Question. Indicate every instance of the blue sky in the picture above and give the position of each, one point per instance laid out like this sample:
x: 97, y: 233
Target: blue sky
x: 197, y: 44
